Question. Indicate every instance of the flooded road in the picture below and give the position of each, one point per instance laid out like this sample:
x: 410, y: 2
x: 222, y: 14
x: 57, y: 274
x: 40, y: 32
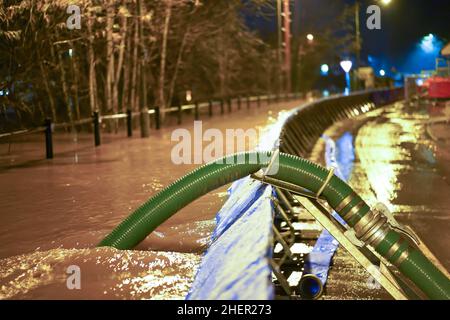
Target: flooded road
x: 53, y: 211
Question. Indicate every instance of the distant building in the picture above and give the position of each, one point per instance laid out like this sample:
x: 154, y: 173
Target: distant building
x: 366, y: 75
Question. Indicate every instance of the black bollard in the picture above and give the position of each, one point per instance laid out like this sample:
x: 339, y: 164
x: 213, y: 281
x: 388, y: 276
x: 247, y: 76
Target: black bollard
x: 210, y: 109
x: 239, y: 103
x: 259, y: 101
x: 196, y: 116
x: 222, y: 110
x: 180, y: 111
x: 129, y: 123
x: 96, y: 120
x: 157, y: 118
x: 229, y: 105
x: 248, y: 102
x: 48, y: 138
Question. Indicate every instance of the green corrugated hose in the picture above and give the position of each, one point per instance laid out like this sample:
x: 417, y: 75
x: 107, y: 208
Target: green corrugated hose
x: 411, y: 262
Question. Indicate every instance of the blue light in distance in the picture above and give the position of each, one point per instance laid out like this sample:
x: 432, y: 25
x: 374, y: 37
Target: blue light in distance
x: 427, y: 43
x: 324, y: 69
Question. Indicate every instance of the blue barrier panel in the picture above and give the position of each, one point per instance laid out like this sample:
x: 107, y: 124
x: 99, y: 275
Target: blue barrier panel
x: 236, y: 265
x: 340, y: 156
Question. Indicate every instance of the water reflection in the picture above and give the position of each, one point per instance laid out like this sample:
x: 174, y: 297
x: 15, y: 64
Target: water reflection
x: 105, y: 273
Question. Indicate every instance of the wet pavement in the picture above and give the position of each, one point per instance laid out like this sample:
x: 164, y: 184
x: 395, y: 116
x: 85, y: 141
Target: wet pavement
x: 53, y: 211
x: 399, y: 164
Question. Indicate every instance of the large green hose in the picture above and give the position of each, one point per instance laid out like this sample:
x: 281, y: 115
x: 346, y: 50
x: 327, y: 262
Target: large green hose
x: 294, y: 170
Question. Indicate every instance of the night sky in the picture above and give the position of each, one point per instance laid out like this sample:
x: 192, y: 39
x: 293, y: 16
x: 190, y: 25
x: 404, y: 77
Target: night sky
x: 404, y: 24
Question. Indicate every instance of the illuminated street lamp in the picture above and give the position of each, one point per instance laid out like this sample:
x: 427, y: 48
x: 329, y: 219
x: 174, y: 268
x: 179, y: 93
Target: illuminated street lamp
x: 427, y: 43
x: 382, y: 73
x: 310, y: 37
x: 386, y: 2
x: 188, y: 95
x: 346, y: 65
x: 324, y: 69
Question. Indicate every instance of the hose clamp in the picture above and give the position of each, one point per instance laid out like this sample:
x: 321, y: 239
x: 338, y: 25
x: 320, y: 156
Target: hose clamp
x: 353, y: 211
x: 345, y: 202
x: 325, y: 183
x: 392, y: 250
x: 402, y: 258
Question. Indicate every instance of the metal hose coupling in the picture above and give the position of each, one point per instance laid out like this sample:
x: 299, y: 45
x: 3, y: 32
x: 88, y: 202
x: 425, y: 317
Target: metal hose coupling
x: 375, y: 225
x: 372, y: 228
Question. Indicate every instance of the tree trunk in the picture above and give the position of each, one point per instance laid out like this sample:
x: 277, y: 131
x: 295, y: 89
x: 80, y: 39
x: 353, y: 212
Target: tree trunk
x: 133, y: 89
x: 223, y: 68
x: 177, y: 65
x: 92, y: 74
x: 145, y: 120
x: 47, y: 88
x: 126, y: 77
x: 123, y: 31
x: 109, y: 55
x: 162, y: 69
x: 65, y: 89
x: 75, y: 77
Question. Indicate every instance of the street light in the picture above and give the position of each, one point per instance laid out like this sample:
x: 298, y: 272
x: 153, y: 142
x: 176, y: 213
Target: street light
x: 324, y: 69
x: 346, y: 65
x: 382, y: 73
x: 310, y: 37
x: 386, y: 2
x: 427, y: 43
x: 188, y: 96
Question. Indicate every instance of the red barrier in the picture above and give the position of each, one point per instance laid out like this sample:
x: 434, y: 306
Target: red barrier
x: 438, y: 88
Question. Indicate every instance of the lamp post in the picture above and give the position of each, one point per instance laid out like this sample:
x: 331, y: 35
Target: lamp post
x: 358, y: 34
x: 287, y: 44
x: 346, y: 65
x: 279, y: 44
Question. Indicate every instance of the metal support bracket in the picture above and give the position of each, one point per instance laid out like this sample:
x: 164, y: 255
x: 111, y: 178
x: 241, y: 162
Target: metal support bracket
x: 374, y: 264
x: 321, y: 214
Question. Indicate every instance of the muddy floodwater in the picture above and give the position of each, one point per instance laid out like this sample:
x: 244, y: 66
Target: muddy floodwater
x: 54, y: 212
